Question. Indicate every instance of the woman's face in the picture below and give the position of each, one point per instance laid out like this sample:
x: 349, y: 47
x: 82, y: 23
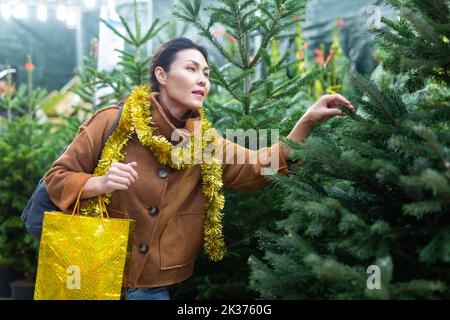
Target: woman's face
x: 188, y: 73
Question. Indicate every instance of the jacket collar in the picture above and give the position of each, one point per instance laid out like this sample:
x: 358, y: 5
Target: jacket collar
x: 164, y: 127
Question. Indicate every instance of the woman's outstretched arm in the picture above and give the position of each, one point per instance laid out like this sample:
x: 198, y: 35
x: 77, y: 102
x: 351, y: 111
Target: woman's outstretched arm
x: 242, y: 169
x: 325, y: 108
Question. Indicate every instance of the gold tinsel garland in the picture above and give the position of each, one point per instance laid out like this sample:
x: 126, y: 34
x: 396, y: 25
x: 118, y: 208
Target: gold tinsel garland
x: 136, y: 117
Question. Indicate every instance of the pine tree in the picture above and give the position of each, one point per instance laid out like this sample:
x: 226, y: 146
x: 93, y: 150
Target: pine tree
x: 419, y: 39
x: 254, y: 87
x: 133, y: 64
x: 373, y: 194
x: 28, y: 146
x: 249, y: 98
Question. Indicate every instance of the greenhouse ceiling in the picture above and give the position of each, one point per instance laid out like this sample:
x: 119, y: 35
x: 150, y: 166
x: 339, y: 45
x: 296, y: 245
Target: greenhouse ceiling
x: 66, y: 10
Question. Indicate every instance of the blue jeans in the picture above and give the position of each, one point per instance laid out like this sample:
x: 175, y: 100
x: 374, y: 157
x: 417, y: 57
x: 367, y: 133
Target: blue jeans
x: 160, y: 293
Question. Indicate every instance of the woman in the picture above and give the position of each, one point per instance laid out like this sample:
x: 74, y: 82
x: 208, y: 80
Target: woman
x: 176, y: 210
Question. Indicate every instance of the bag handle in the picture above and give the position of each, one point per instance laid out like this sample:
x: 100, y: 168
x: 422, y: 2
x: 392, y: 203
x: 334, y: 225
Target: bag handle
x: 77, y: 203
x: 101, y: 203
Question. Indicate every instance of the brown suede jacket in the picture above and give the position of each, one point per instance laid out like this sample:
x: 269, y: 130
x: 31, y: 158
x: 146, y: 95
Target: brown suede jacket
x: 167, y: 204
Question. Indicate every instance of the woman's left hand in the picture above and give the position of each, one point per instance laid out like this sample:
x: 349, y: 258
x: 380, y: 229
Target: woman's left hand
x: 325, y: 108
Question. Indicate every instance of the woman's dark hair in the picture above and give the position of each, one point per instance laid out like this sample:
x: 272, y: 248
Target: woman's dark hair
x: 166, y: 54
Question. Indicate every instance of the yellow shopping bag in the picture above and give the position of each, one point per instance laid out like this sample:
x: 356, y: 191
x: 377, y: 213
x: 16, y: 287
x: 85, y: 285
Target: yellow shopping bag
x: 81, y: 257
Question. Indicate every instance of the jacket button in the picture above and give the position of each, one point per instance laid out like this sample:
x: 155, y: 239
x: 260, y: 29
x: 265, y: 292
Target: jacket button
x: 163, y: 173
x: 153, y: 211
x: 143, y: 248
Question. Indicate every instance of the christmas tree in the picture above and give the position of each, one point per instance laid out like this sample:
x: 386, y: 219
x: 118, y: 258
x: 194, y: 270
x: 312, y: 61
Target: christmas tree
x: 369, y: 204
x: 418, y: 40
x: 133, y: 64
x: 255, y: 83
x: 28, y: 146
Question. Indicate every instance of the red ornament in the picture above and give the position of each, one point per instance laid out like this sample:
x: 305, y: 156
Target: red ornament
x: 328, y: 58
x: 231, y: 37
x: 319, y: 56
x: 218, y: 32
x: 29, y: 66
x: 341, y: 22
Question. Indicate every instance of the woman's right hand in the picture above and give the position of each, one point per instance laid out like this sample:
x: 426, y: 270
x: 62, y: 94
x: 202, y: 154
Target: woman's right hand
x: 119, y: 177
